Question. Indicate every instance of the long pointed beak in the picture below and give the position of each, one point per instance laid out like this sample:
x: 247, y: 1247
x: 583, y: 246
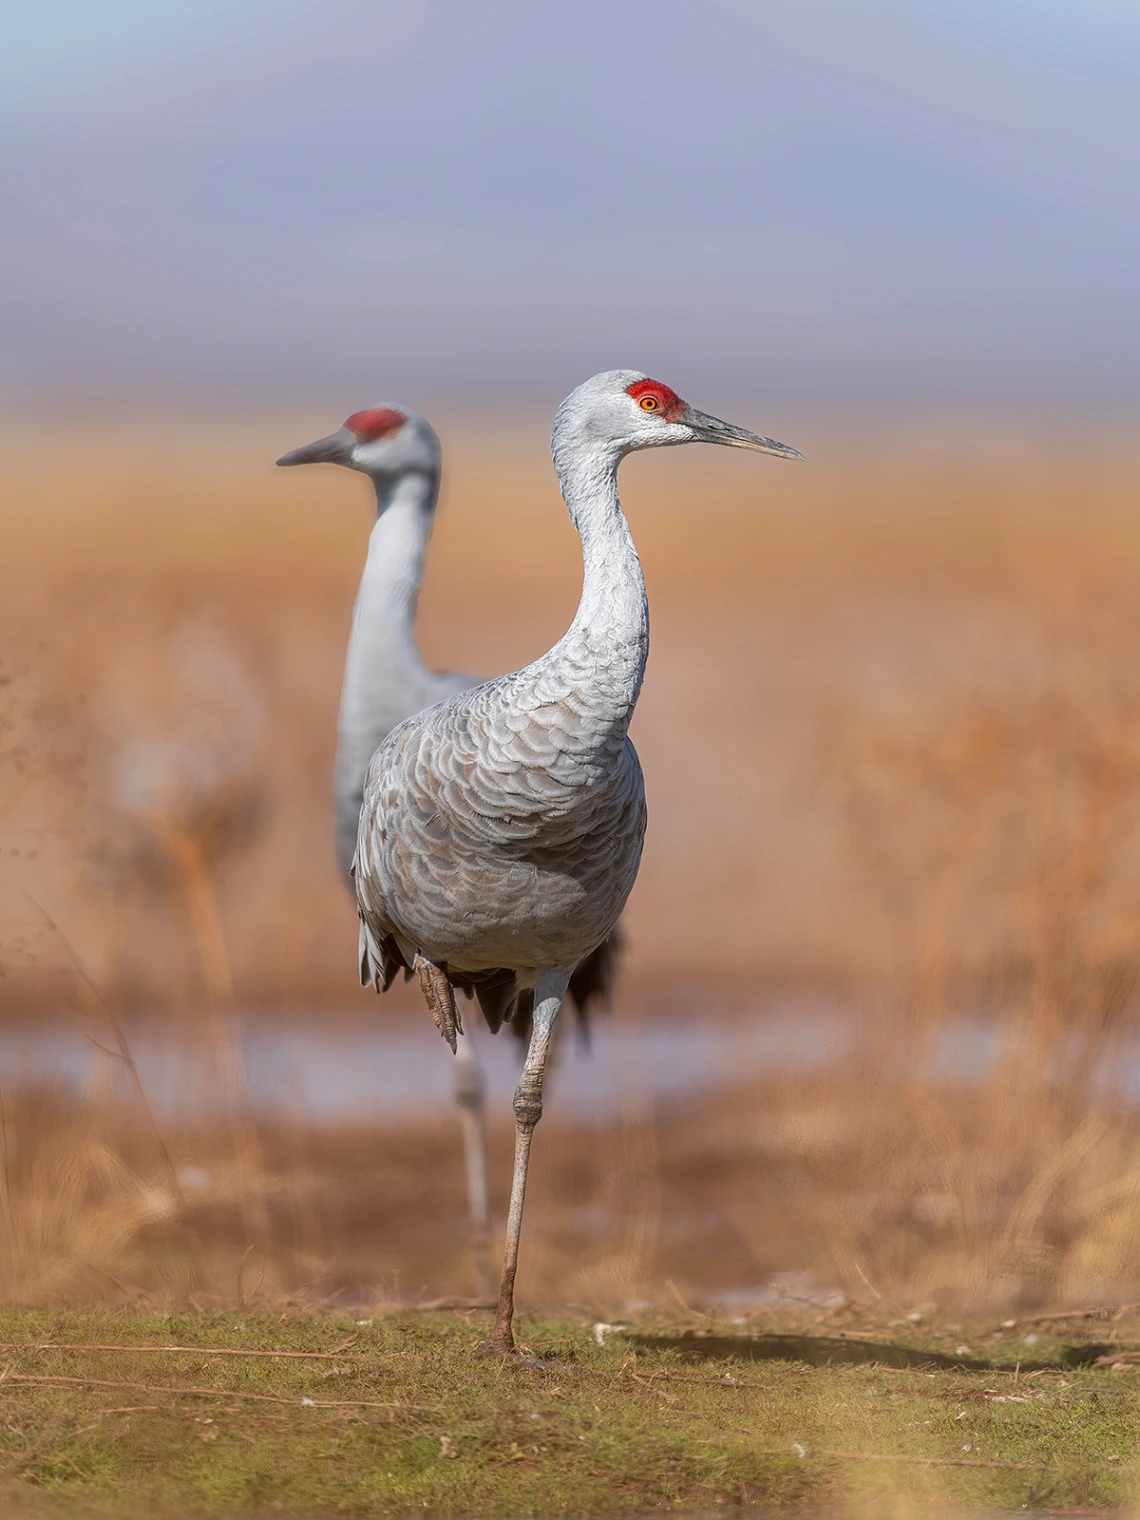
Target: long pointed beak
x: 713, y: 430
x: 335, y: 449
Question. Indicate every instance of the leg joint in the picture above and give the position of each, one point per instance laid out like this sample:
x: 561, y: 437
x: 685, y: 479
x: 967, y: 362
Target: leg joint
x: 528, y: 1101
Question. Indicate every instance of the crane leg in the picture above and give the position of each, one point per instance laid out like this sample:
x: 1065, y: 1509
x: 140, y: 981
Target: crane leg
x: 469, y: 1096
x: 548, y: 994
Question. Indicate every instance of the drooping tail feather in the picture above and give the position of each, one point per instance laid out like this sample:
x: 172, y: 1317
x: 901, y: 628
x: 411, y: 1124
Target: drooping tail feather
x: 379, y: 962
x: 501, y: 1000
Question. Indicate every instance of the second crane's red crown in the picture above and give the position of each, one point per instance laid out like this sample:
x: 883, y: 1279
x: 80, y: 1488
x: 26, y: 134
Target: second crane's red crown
x: 669, y: 402
x: 368, y: 426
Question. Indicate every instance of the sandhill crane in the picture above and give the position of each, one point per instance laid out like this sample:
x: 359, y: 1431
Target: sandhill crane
x: 386, y: 681
x: 501, y: 830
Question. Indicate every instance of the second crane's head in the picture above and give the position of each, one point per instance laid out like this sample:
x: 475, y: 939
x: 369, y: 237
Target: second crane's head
x: 622, y: 410
x: 385, y: 442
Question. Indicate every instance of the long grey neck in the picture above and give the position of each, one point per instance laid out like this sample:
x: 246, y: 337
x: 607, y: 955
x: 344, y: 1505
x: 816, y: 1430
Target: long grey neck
x: 383, y: 646
x: 385, y: 679
x: 609, y: 637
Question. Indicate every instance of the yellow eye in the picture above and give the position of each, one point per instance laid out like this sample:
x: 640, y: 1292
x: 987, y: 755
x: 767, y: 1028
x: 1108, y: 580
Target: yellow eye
x: 649, y: 403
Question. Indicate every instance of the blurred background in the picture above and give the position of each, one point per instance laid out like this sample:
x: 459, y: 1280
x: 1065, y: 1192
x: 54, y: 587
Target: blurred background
x: 877, y: 1031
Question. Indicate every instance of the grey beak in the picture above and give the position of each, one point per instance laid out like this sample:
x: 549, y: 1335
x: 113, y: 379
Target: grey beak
x: 335, y: 449
x: 713, y: 430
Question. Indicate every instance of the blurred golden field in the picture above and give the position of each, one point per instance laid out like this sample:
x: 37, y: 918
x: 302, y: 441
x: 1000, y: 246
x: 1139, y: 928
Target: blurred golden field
x: 891, y: 737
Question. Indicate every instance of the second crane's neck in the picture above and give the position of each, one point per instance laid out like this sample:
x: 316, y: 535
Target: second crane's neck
x: 384, y: 620
x: 385, y: 680
x: 609, y: 637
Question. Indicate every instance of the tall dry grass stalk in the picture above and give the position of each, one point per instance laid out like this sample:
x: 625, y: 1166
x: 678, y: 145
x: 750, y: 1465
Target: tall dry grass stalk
x: 999, y: 832
x: 189, y: 858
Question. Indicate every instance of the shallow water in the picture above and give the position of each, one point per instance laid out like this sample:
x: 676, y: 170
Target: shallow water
x: 333, y: 1066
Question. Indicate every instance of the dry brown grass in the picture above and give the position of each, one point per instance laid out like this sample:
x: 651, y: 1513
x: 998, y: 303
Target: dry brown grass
x: 891, y: 733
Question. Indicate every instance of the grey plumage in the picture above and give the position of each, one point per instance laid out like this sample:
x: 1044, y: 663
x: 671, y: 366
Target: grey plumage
x: 385, y: 679
x: 501, y: 829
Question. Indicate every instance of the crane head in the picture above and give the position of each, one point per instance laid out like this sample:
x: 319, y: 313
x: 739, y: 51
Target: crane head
x: 626, y: 410
x: 382, y: 441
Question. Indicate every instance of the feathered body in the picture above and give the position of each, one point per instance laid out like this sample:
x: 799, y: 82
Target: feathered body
x: 385, y: 678
x: 502, y: 829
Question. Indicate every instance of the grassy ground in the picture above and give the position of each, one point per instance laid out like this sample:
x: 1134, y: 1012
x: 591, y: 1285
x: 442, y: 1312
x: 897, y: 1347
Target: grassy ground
x: 395, y: 1413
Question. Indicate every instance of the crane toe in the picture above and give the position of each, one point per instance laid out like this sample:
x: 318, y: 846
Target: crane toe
x: 440, y: 997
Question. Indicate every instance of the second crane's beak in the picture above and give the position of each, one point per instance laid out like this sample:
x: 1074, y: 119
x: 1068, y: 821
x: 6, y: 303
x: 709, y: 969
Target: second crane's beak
x: 335, y: 449
x: 712, y: 430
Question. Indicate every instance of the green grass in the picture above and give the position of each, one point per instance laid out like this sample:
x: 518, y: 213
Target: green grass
x: 418, y: 1422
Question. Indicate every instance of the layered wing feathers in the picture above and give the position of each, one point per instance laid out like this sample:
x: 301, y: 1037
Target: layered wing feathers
x: 502, y: 828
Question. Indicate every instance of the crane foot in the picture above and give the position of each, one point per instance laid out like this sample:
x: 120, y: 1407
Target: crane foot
x: 440, y: 997
x: 493, y: 1350
x: 498, y: 1350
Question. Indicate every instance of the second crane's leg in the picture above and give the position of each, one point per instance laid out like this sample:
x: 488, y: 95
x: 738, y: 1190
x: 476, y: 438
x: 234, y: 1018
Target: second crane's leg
x: 548, y: 994
x: 469, y: 1091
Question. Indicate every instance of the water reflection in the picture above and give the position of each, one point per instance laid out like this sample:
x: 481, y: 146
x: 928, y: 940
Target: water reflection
x: 333, y: 1065
x: 343, y: 1068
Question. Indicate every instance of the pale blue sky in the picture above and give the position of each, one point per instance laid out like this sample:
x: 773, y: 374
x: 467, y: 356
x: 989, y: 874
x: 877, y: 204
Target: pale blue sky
x: 863, y: 199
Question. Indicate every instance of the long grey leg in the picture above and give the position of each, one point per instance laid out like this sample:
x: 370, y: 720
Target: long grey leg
x: 549, y: 991
x: 469, y: 1094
